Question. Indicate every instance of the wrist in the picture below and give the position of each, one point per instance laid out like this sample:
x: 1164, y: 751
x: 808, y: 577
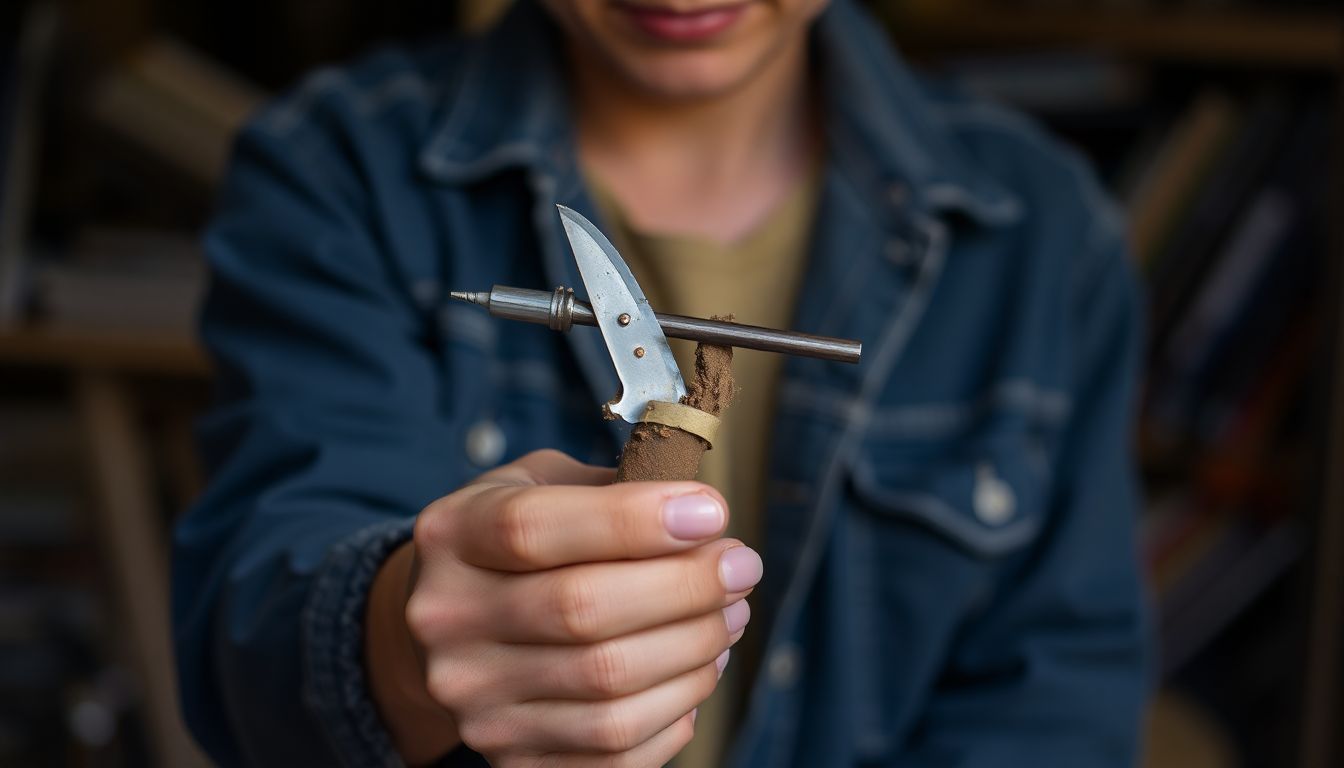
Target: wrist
x: 421, y: 730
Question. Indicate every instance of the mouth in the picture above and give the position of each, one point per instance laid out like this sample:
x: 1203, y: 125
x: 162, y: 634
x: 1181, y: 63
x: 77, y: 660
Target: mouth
x: 682, y: 26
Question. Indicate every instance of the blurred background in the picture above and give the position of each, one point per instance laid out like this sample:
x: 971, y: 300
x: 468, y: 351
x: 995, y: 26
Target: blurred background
x: 1217, y: 123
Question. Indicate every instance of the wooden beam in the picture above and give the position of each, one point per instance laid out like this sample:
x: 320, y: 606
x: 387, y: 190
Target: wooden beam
x: 131, y: 535
x: 130, y: 352
x: 1303, y: 39
x: 1323, y: 676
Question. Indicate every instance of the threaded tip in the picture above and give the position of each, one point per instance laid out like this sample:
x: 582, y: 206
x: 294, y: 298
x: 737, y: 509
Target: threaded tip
x: 472, y: 297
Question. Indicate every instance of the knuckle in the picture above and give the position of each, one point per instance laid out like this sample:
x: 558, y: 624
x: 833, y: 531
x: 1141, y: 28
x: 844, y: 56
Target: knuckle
x: 516, y: 531
x: 432, y: 526
x: 622, y: 510
x: 444, y: 685
x: 486, y: 734
x: 607, y: 671
x: 610, y: 731
x: 548, y: 455
x: 578, y: 614
x: 421, y: 617
x: 430, y: 618
x: 691, y: 591
x: 534, y: 464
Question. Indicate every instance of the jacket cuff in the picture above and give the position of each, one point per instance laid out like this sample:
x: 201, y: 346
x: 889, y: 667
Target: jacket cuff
x: 335, y: 689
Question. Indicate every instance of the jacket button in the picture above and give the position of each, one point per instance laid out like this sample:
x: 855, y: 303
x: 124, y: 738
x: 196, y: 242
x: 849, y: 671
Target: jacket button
x: 994, y: 500
x: 783, y: 666
x: 485, y: 444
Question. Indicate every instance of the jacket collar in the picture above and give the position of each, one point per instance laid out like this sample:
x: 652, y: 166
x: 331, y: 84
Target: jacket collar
x: 509, y: 109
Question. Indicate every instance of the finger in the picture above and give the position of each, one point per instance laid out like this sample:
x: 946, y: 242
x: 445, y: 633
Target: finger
x: 617, y: 725
x: 599, y: 601
x: 658, y: 750
x: 624, y: 665
x: 533, y: 528
x: 547, y: 467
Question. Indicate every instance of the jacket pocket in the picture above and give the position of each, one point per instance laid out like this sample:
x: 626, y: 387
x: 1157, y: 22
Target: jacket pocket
x: 985, y: 495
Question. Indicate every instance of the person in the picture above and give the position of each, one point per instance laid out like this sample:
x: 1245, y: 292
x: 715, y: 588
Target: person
x: 409, y: 549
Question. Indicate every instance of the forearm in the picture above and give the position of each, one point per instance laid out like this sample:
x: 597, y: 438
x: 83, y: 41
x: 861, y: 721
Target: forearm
x: 422, y: 731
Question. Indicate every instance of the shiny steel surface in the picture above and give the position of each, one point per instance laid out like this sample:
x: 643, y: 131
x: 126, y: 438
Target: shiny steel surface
x: 638, y: 348
x: 535, y: 307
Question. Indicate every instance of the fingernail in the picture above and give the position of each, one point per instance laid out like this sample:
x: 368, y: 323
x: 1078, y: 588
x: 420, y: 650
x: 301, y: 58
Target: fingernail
x: 692, y: 517
x: 694, y: 714
x: 722, y: 662
x: 740, y: 568
x: 736, y: 616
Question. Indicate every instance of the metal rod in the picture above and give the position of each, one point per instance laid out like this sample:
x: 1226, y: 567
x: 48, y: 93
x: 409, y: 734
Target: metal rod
x: 560, y: 310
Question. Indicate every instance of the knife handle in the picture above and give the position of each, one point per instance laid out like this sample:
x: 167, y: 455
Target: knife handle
x: 658, y: 451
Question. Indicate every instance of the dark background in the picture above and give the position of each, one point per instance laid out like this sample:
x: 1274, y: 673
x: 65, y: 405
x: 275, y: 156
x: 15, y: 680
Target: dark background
x: 1215, y: 122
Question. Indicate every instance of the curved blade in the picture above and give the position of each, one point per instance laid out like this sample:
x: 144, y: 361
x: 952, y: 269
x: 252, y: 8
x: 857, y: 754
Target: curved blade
x: 637, y: 347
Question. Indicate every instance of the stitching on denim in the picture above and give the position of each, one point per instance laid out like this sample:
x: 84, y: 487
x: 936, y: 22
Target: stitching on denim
x: 897, y: 334
x: 869, y: 731
x: 294, y: 111
x: 405, y: 87
x: 1045, y: 407
x: 365, y: 101
x: 828, y: 316
x: 502, y: 156
x: 944, y: 518
x: 432, y: 157
x: 984, y: 116
x: 1005, y: 210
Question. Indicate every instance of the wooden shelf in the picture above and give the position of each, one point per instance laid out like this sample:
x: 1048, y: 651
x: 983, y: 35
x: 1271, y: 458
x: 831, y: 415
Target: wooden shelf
x: 1306, y: 40
x: 121, y: 351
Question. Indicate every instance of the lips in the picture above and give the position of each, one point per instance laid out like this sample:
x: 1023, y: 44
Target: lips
x: 675, y: 26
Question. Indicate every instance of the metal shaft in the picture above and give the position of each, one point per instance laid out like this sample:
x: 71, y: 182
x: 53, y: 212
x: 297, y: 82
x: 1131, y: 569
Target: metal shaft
x: 560, y: 311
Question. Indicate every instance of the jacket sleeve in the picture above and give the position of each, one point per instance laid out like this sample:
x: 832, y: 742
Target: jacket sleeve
x: 1053, y: 670
x: 321, y: 449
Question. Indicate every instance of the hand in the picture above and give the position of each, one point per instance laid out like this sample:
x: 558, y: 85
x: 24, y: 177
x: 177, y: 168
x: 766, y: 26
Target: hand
x: 554, y: 619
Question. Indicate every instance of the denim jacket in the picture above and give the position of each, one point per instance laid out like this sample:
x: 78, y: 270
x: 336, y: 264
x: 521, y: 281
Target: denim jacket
x: 950, y: 560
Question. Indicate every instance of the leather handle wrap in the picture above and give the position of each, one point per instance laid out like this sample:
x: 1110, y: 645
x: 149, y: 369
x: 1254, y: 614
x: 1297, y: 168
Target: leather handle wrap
x: 664, y: 452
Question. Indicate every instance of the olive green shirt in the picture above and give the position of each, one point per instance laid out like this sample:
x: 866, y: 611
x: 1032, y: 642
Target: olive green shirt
x: 757, y: 280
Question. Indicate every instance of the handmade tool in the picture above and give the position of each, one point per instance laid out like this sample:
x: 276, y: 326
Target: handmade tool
x: 673, y: 426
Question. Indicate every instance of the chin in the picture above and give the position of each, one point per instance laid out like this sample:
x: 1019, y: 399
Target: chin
x: 687, y: 75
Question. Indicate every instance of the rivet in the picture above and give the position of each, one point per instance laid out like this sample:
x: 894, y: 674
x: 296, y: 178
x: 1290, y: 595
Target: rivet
x: 639, y: 351
x: 623, y: 320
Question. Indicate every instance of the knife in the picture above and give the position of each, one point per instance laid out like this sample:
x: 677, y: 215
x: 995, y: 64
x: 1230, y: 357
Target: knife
x: 670, y: 431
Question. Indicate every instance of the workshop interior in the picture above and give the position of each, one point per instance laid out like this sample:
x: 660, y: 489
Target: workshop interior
x: 1216, y: 124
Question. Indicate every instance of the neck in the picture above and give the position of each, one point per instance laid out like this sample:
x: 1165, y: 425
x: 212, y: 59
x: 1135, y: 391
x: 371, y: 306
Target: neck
x: 711, y: 166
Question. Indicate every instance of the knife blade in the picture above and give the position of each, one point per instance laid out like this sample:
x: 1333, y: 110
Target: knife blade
x: 631, y: 331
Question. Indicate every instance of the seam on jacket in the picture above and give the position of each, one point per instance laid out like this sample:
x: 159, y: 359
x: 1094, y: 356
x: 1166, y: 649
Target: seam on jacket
x: 935, y: 419
x: 894, y: 339
x: 941, y: 516
x: 366, y: 101
x: 1106, y: 215
x: 332, y: 624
